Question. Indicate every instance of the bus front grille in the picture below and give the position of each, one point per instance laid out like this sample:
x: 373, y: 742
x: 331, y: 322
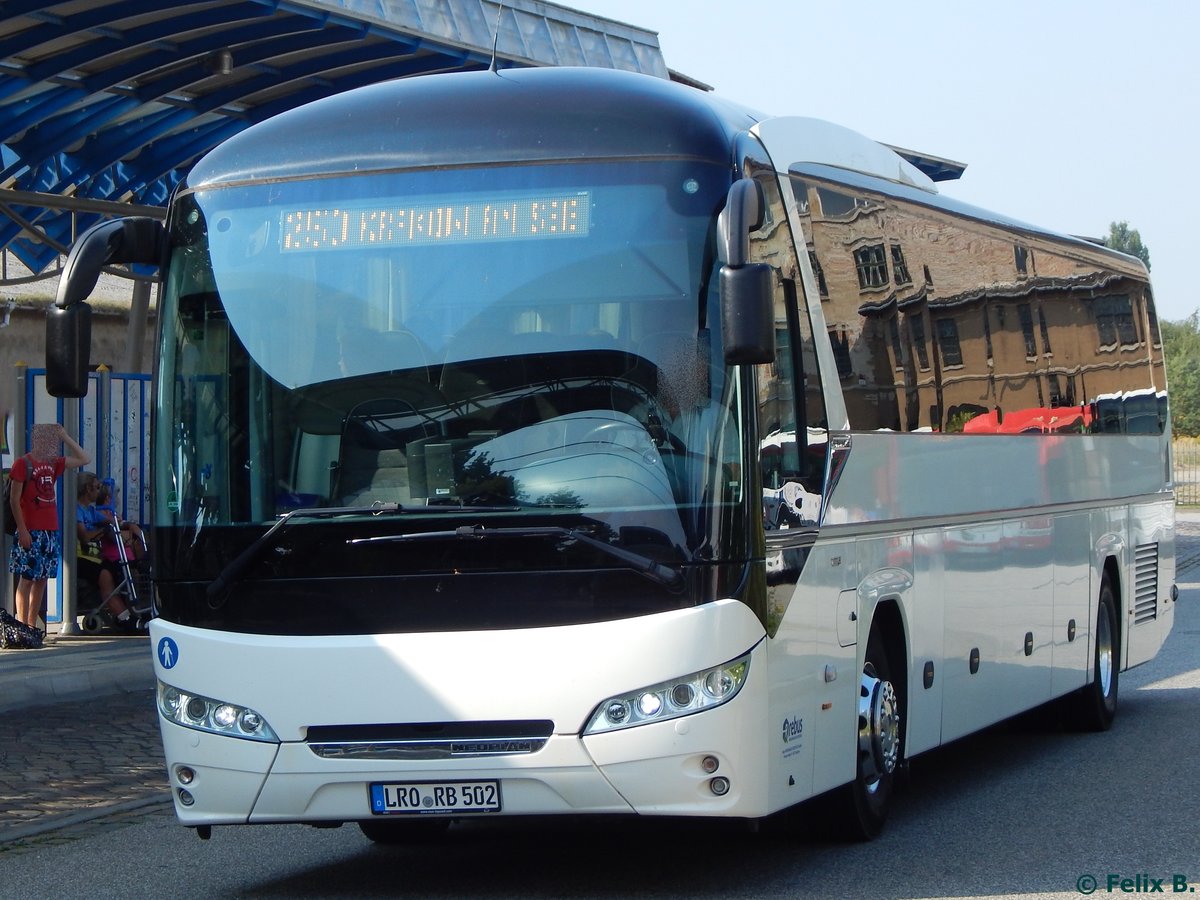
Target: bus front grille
x: 429, y: 740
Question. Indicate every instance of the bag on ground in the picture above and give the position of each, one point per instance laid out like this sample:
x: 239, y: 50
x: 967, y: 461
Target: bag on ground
x: 16, y: 635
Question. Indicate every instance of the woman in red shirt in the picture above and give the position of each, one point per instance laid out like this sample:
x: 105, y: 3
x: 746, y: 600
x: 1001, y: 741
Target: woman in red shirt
x: 34, y: 502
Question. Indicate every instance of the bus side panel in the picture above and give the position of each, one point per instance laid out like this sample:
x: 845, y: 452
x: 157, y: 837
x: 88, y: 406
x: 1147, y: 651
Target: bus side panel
x: 1073, y: 602
x: 1029, y: 615
x: 811, y: 727
x: 998, y: 609
x: 925, y: 615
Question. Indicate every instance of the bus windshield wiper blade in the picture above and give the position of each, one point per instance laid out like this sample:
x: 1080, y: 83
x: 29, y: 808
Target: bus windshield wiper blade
x: 441, y: 509
x: 218, y: 588
x: 649, y: 568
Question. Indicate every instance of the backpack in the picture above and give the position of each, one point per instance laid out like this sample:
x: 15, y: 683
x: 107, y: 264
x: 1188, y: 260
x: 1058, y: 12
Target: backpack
x: 10, y: 521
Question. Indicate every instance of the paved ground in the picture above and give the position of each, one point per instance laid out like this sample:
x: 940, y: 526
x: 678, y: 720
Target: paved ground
x: 89, y: 747
x: 78, y: 734
x: 1187, y: 544
x: 67, y: 763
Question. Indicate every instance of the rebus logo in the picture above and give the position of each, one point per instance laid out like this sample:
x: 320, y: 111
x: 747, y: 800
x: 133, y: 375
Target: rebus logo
x: 793, y: 729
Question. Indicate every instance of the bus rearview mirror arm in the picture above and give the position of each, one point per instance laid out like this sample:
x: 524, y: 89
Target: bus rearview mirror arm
x: 747, y: 289
x: 69, y: 321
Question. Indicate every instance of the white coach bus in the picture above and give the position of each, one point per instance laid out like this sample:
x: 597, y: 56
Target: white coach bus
x: 559, y: 441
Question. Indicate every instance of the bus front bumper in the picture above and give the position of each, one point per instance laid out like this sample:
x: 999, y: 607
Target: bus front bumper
x: 694, y: 766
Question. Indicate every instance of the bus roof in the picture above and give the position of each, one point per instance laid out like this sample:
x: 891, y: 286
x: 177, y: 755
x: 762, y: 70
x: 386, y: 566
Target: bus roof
x: 467, y: 118
x: 488, y: 117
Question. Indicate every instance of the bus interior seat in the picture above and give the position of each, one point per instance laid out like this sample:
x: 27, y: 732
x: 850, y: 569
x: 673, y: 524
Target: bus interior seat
x: 372, y: 464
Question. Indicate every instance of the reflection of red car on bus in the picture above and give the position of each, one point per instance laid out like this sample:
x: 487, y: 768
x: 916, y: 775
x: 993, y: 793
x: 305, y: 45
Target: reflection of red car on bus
x: 1131, y: 412
x: 1034, y: 533
x: 1041, y: 420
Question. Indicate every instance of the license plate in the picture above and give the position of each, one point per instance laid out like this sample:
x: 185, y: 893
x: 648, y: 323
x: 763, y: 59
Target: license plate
x: 435, y: 797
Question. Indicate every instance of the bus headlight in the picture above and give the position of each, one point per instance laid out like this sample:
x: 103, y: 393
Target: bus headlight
x: 213, y: 716
x: 671, y: 699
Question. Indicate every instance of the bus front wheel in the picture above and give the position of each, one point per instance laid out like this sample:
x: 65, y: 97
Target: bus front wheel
x: 864, y: 803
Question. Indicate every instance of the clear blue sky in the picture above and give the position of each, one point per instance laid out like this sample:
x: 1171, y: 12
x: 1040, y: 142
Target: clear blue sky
x: 1069, y: 114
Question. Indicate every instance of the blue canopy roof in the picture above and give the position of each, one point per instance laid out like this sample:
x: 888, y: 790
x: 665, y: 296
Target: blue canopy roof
x: 112, y: 101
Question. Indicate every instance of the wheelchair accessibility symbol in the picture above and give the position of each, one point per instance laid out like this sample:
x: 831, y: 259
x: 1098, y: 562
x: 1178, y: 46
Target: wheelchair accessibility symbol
x: 168, y: 653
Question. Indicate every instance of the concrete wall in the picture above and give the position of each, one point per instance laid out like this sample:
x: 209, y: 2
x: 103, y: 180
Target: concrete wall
x: 23, y: 340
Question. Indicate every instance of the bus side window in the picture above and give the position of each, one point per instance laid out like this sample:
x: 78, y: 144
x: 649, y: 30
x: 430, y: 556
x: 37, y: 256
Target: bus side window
x: 790, y: 461
x: 789, y: 393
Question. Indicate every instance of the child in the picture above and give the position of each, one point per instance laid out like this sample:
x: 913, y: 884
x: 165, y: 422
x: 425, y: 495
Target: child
x: 34, y: 502
x: 131, y: 532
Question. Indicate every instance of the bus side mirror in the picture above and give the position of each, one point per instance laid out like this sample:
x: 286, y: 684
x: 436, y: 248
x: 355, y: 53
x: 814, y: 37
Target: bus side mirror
x: 747, y: 289
x: 68, y: 347
x: 747, y: 314
x: 69, y: 322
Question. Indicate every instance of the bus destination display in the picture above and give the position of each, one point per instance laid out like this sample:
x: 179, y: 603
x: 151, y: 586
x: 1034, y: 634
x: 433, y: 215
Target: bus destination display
x: 499, y: 218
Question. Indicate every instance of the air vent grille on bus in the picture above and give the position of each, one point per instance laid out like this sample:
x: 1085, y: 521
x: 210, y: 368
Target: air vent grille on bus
x: 1145, y: 576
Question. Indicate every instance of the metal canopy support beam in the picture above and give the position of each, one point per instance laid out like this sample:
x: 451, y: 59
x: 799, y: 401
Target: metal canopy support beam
x: 80, y: 204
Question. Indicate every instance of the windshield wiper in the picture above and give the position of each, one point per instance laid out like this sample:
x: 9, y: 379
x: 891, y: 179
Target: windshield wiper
x: 645, y: 566
x: 218, y: 589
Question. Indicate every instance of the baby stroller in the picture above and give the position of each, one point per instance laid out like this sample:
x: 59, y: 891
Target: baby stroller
x: 132, y: 585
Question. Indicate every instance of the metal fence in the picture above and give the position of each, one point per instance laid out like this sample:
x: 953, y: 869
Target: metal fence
x: 1187, y: 471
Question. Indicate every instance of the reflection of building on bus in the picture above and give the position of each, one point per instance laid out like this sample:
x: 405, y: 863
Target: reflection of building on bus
x: 746, y: 424
x: 931, y: 310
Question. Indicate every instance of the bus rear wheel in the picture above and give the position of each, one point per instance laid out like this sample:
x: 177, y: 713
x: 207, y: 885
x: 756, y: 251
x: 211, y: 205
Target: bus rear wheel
x: 864, y: 803
x: 1094, y: 706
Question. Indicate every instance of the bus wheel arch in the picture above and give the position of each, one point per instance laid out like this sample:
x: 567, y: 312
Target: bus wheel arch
x: 1112, y: 575
x: 887, y: 625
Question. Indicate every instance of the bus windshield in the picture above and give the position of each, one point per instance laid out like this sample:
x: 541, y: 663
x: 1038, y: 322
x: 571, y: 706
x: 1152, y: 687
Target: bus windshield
x: 530, y: 340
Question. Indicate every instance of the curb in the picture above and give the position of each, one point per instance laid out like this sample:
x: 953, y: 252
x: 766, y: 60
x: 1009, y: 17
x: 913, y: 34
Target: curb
x: 80, y: 684
x: 72, y: 669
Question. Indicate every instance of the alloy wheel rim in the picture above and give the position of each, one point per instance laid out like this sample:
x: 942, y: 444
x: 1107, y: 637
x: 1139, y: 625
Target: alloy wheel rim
x: 878, y: 728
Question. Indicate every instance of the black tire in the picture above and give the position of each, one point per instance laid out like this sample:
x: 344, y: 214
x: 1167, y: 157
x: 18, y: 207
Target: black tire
x: 1094, y: 706
x: 422, y: 830
x: 862, y: 806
